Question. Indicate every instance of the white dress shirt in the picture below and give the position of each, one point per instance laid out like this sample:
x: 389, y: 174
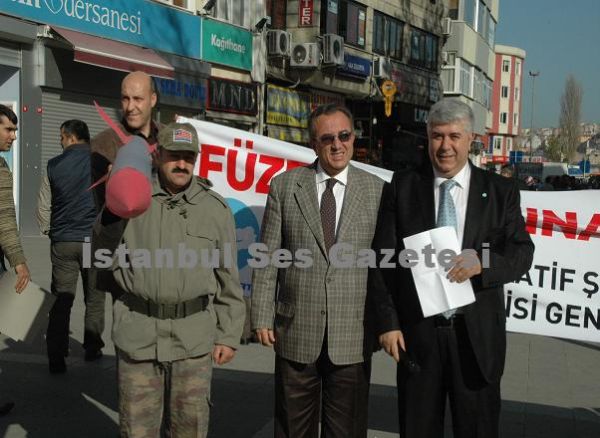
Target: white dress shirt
x: 460, y: 196
x: 339, y: 189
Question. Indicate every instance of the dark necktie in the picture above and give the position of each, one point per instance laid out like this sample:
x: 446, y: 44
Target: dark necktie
x: 328, y: 213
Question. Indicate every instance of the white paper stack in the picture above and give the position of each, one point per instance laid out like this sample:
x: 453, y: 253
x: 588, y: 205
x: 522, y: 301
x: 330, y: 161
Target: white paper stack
x: 436, y: 293
x: 23, y: 315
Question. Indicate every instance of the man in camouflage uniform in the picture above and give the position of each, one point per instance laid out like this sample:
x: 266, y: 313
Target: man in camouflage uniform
x: 172, y: 317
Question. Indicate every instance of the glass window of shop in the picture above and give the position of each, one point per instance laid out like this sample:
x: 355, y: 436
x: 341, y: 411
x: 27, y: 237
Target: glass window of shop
x: 345, y: 18
x: 387, y: 36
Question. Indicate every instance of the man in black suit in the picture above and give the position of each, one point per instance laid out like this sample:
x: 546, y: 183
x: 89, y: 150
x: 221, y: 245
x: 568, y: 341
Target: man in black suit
x: 461, y: 355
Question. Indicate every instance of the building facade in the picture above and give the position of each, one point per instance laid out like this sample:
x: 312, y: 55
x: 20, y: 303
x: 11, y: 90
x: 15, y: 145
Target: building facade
x: 355, y: 53
x: 58, y: 58
x: 506, y: 104
x: 469, y: 62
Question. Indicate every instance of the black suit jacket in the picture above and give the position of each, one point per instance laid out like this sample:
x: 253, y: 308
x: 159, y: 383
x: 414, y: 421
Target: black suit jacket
x: 493, y: 216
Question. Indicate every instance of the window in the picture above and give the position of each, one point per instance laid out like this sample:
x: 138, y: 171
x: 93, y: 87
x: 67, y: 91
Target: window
x: 465, y: 78
x: 186, y: 4
x: 497, y: 143
x: 469, y: 12
x: 345, y: 18
x: 453, y: 12
x: 234, y: 11
x: 503, y: 118
x: 423, y: 49
x: 478, y: 88
x: 515, y: 120
x: 491, y: 36
x: 516, y: 93
x: 488, y: 86
x: 387, y: 36
x: 506, y: 66
x: 504, y: 91
x: 518, y: 68
x: 482, y: 19
x: 509, y: 144
x: 448, y: 74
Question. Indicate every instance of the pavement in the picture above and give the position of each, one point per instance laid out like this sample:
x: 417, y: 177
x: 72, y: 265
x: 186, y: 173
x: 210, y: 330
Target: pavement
x: 550, y: 389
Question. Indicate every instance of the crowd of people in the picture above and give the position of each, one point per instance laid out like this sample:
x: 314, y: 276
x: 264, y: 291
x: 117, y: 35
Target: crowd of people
x: 551, y: 182
x: 171, y: 324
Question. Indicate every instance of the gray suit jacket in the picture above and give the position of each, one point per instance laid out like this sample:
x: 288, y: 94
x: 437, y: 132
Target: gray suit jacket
x: 299, y: 303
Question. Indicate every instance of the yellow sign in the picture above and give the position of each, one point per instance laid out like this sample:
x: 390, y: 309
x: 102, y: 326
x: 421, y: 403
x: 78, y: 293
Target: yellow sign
x: 388, y: 89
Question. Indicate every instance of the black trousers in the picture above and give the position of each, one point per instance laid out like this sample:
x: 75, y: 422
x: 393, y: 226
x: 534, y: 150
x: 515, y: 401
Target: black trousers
x: 66, y: 258
x: 338, y: 395
x: 451, y: 371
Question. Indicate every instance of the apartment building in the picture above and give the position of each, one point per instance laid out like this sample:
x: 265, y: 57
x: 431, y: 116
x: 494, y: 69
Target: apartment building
x: 506, y: 104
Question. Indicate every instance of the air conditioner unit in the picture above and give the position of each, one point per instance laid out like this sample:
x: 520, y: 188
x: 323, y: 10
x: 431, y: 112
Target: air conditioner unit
x: 446, y: 26
x: 333, y: 49
x: 305, y: 55
x: 279, y: 43
x: 382, y: 68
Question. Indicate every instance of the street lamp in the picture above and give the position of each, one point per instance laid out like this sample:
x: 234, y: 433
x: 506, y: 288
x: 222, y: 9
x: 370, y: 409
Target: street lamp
x: 533, y: 74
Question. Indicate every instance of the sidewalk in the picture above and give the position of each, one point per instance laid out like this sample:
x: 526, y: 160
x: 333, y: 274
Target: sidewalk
x: 551, y: 387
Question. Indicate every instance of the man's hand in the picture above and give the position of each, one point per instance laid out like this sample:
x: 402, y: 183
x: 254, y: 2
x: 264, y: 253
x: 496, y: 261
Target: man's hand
x: 465, y: 265
x: 222, y: 354
x: 392, y: 342
x: 23, y: 277
x: 265, y: 337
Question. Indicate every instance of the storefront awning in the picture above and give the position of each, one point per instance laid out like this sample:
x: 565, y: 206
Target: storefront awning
x: 115, y: 55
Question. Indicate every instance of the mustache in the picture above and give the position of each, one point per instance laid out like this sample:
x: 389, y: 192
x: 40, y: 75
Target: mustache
x: 177, y: 170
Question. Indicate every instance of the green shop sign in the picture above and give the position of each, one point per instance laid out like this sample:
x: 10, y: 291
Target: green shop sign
x: 226, y: 44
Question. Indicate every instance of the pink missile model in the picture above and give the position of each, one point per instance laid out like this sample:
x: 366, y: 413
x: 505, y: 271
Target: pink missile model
x: 129, y: 184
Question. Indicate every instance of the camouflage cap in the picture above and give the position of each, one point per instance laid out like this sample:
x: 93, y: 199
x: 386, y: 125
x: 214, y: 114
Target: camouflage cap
x: 178, y: 137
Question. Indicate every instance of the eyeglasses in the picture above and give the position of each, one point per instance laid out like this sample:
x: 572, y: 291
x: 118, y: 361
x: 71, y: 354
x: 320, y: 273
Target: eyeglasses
x: 329, y: 139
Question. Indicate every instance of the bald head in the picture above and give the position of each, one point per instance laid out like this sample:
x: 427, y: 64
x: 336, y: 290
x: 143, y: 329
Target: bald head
x: 138, y: 97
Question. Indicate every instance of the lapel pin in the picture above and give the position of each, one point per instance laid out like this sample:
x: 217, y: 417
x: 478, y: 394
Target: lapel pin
x: 484, y: 195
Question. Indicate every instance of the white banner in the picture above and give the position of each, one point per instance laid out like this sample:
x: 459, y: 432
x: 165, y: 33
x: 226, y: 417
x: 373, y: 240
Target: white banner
x: 558, y: 297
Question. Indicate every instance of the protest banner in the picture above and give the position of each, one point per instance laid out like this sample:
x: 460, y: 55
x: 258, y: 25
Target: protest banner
x: 557, y: 297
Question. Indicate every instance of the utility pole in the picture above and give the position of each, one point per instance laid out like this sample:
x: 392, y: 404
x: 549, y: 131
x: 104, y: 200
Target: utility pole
x: 533, y: 74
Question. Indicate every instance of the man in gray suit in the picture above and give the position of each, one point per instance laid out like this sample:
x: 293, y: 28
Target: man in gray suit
x: 315, y: 316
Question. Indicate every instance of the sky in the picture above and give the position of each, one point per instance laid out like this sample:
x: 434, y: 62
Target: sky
x: 560, y: 37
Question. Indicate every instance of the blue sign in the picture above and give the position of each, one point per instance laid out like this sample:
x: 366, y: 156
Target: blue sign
x: 515, y: 156
x: 355, y: 66
x: 585, y: 166
x: 140, y: 22
x: 182, y: 91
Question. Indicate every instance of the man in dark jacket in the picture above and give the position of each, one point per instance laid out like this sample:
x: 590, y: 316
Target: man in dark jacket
x: 72, y: 214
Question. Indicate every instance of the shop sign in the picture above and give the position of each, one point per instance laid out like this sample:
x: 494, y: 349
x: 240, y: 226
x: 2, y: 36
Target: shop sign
x: 420, y: 115
x: 287, y: 107
x: 305, y: 13
x: 139, y: 22
x: 355, y: 66
x: 317, y: 99
x: 183, y: 91
x: 226, y: 44
x: 232, y: 97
